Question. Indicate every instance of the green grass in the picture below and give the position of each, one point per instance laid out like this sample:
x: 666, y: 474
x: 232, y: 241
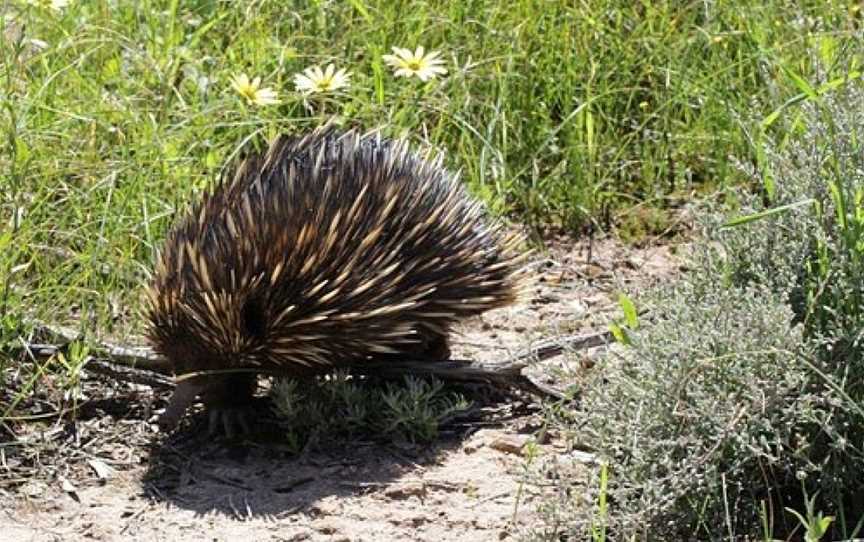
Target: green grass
x: 561, y: 113
x: 581, y: 115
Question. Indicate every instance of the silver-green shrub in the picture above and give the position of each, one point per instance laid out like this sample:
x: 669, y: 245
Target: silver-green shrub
x: 339, y: 406
x: 701, y: 404
x: 744, y: 390
x: 813, y: 255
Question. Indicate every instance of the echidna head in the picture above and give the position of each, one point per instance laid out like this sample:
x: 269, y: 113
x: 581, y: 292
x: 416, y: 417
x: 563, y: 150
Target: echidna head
x: 186, y: 352
x: 193, y: 340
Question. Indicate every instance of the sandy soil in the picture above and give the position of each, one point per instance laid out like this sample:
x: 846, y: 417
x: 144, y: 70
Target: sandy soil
x: 121, y: 482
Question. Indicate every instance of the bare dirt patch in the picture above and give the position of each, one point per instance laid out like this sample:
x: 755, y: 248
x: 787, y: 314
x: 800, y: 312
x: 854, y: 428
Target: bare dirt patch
x: 108, y: 476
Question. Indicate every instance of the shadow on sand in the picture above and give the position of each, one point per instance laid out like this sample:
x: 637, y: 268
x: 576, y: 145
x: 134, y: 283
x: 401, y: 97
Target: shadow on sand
x: 261, y: 476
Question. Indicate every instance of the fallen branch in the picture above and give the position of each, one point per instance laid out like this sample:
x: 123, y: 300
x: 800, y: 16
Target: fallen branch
x: 130, y: 374
x: 555, y: 347
x: 59, y: 338
x: 143, y: 366
x: 507, y: 373
x: 106, y: 367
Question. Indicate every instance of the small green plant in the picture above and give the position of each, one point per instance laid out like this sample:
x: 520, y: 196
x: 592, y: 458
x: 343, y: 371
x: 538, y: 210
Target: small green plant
x: 815, y: 524
x: 77, y: 355
x: 598, y: 527
x: 340, y: 405
x: 619, y: 327
x: 415, y: 408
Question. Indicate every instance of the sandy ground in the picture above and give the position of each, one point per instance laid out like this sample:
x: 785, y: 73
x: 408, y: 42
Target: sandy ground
x: 467, y: 486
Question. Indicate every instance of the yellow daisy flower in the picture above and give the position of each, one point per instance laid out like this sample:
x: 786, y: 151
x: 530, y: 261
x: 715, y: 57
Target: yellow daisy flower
x: 315, y: 80
x: 406, y: 63
x: 252, y: 91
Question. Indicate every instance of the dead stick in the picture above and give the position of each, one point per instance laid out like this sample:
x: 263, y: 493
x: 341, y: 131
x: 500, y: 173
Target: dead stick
x: 506, y: 373
x: 140, y: 357
x: 109, y: 368
x: 129, y: 374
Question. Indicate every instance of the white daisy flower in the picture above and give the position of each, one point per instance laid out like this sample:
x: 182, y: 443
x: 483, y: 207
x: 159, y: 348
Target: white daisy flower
x: 252, y: 91
x: 314, y: 80
x: 424, y: 66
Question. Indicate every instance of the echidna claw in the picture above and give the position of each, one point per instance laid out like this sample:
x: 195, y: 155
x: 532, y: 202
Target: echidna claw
x: 228, y: 420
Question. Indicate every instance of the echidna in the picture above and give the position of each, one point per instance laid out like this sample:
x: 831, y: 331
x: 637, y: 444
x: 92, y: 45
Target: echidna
x: 326, y: 251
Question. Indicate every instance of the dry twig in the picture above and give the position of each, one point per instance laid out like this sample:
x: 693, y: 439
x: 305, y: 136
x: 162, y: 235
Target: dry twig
x: 142, y: 366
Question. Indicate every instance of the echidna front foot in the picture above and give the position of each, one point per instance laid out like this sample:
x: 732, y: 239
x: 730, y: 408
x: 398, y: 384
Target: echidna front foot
x: 226, y: 399
x: 232, y: 421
